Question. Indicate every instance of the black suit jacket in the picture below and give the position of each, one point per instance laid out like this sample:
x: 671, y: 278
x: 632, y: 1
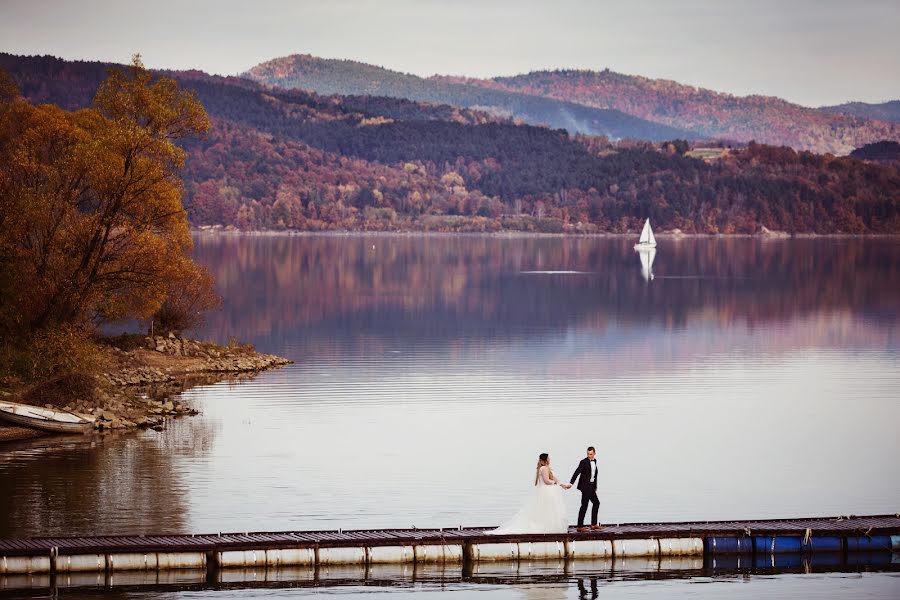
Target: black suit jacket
x: 583, y: 474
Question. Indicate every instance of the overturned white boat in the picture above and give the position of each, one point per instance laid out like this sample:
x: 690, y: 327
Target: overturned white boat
x: 45, y: 419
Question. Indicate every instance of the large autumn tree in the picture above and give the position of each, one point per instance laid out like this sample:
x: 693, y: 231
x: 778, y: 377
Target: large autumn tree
x: 92, y: 226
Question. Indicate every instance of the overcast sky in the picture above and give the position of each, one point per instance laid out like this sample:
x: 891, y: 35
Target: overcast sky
x: 809, y: 51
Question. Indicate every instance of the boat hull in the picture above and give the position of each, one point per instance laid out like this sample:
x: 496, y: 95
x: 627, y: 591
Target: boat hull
x: 47, y: 424
x: 644, y: 246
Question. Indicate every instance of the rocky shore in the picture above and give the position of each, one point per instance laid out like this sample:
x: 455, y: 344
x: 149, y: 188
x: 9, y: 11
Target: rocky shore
x: 140, y: 378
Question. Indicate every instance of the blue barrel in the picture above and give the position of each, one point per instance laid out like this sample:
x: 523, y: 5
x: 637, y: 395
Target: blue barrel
x: 826, y: 559
x: 778, y: 561
x: 729, y: 545
x: 873, y: 543
x: 869, y: 558
x: 727, y: 562
x: 778, y: 545
x: 824, y: 544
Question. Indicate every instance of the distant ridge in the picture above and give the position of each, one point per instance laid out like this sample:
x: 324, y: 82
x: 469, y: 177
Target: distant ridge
x: 886, y: 111
x: 346, y: 77
x: 704, y: 112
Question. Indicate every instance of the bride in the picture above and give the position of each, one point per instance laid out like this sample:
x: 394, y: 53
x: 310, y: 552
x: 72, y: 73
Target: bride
x: 544, y: 511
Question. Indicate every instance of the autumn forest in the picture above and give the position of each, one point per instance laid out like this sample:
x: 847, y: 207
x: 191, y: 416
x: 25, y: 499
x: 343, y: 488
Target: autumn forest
x: 282, y: 159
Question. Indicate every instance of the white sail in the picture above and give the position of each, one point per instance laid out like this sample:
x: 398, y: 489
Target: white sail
x: 645, y: 233
x: 648, y: 240
x: 647, y: 237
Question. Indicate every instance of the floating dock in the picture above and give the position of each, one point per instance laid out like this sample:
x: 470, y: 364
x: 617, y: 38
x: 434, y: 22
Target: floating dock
x: 583, y: 574
x: 211, y: 553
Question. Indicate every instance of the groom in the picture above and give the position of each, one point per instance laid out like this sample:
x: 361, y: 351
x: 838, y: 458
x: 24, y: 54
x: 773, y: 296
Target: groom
x: 586, y: 473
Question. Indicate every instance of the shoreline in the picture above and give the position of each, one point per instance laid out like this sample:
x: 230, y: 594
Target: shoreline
x: 512, y: 233
x: 141, y: 374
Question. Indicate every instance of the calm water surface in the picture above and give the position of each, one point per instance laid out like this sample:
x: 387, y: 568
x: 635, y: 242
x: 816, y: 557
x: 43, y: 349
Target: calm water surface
x: 747, y: 379
x: 538, y: 583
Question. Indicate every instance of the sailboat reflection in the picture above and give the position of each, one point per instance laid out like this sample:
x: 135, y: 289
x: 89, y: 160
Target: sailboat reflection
x: 647, y: 256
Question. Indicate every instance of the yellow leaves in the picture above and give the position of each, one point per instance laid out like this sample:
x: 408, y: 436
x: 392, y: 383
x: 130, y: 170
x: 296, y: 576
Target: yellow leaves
x: 452, y: 178
x: 379, y: 120
x: 157, y: 107
x: 347, y: 190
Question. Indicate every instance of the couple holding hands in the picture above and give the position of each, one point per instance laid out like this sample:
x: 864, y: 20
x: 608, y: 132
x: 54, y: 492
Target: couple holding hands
x: 545, y: 510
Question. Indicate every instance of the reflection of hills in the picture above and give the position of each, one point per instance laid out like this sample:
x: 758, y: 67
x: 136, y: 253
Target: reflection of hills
x: 427, y: 287
x: 620, y: 353
x: 85, y: 485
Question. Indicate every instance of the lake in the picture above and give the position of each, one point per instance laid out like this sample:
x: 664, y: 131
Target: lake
x: 735, y: 378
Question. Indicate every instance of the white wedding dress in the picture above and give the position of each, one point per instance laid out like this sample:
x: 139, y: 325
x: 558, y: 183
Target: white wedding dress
x: 544, y: 510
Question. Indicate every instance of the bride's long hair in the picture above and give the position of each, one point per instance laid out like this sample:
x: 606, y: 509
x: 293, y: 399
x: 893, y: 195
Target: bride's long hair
x: 543, y: 461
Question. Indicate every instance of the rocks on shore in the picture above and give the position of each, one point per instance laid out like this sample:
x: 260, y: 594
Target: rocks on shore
x: 163, y: 364
x: 120, y: 410
x: 205, y: 358
x: 124, y: 396
x: 766, y: 232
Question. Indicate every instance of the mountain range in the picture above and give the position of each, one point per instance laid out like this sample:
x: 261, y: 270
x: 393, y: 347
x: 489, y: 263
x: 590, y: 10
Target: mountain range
x: 886, y: 111
x: 280, y: 158
x: 596, y: 102
x: 345, y: 77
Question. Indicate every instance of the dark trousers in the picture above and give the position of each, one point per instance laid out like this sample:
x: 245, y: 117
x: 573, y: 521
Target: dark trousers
x: 588, y: 495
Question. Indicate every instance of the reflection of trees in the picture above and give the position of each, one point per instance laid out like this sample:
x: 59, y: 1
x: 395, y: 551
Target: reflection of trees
x: 99, y: 485
x: 446, y: 286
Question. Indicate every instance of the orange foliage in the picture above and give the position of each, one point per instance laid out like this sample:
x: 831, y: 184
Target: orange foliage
x: 93, y: 227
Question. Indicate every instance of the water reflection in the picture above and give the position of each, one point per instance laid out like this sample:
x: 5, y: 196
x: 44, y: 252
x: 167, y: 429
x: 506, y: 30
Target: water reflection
x: 647, y: 257
x: 459, y: 286
x: 749, y: 379
x: 99, y: 485
x: 569, y: 307
x: 540, y: 579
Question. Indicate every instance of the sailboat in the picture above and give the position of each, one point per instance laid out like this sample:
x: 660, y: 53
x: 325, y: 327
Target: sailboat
x: 647, y: 240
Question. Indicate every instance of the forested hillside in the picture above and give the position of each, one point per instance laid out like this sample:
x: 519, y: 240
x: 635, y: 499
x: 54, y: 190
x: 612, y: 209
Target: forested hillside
x: 276, y: 159
x: 345, y: 77
x: 703, y: 112
x: 878, y: 152
x: 886, y: 111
